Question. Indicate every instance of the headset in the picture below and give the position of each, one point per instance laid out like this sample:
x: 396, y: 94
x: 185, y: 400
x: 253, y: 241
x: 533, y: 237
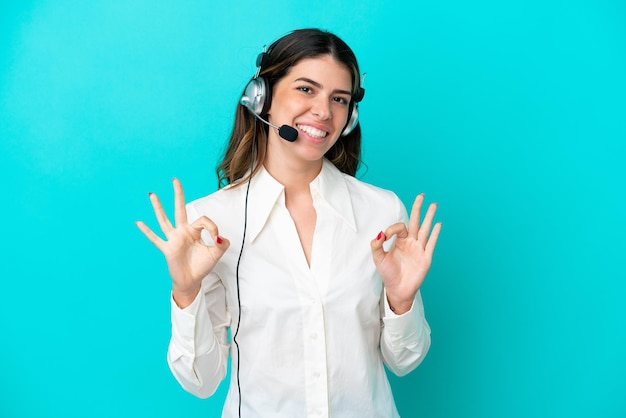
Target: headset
x: 257, y: 98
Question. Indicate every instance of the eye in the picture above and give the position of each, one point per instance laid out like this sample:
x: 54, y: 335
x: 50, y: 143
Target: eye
x: 341, y: 100
x: 305, y: 89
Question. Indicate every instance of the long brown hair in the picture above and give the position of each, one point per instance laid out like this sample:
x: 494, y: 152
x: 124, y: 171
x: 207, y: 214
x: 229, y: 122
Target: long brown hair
x: 283, y: 54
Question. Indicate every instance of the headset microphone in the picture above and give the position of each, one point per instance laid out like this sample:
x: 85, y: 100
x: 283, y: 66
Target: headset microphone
x: 286, y: 132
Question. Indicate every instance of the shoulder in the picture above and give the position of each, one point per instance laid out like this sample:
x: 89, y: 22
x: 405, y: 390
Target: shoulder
x: 356, y: 188
x: 375, y: 200
x: 223, y: 201
x: 359, y: 188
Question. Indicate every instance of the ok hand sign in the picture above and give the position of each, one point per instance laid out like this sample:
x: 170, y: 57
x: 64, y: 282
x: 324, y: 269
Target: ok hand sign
x: 188, y: 258
x: 404, y: 267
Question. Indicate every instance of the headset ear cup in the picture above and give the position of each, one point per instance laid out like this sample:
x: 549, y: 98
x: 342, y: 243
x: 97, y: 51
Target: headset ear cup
x: 267, y: 98
x: 256, y: 96
x: 353, y: 120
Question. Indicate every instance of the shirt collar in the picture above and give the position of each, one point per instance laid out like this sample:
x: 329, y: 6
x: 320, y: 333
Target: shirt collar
x: 265, y: 192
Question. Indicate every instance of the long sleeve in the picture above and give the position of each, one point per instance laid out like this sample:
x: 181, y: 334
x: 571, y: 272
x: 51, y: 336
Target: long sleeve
x: 405, y: 338
x: 314, y: 337
x: 198, y: 350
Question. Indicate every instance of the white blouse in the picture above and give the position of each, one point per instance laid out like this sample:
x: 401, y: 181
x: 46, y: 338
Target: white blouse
x: 312, y: 340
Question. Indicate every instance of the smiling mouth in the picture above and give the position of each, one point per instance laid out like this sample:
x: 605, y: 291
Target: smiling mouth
x: 314, y: 132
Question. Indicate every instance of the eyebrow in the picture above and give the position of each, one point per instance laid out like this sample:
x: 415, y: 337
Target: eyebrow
x: 318, y: 85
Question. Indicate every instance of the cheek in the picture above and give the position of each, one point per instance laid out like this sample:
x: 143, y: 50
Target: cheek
x: 343, y: 113
x: 333, y: 142
x: 289, y: 106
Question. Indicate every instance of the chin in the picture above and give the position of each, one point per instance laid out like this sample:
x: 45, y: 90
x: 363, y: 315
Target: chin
x: 313, y: 153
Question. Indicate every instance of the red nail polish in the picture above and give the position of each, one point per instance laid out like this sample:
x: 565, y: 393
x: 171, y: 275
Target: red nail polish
x: 380, y: 234
x: 218, y: 239
x: 149, y: 193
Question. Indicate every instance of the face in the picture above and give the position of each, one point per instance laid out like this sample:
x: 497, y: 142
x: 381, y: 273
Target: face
x: 314, y: 98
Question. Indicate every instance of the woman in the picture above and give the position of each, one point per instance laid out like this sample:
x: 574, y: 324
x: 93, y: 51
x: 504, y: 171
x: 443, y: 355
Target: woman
x: 322, y: 289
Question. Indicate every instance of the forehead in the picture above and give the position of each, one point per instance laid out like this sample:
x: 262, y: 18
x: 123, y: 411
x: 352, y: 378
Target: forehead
x: 325, y: 70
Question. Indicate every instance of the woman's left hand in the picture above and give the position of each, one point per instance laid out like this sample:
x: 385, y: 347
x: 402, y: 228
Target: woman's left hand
x: 404, y: 267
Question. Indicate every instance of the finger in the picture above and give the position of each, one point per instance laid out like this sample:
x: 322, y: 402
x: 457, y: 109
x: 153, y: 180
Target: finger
x: 164, y: 222
x: 180, y: 213
x: 204, y: 222
x: 414, y: 219
x: 398, y: 229
x: 378, y: 252
x: 220, y: 247
x: 432, y: 241
x: 422, y: 236
x: 154, y: 238
x: 220, y: 244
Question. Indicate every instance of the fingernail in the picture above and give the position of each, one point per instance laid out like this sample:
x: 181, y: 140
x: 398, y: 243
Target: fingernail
x: 149, y: 193
x: 218, y: 239
x: 379, y: 236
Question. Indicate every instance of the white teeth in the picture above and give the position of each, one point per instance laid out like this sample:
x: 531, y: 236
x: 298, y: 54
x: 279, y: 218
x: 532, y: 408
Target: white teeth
x: 318, y: 133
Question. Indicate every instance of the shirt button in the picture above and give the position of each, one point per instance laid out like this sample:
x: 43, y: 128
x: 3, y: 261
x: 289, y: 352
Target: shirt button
x: 316, y: 374
x: 314, y: 336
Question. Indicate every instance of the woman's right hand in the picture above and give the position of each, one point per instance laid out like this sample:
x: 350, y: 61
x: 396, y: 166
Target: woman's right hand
x: 188, y: 258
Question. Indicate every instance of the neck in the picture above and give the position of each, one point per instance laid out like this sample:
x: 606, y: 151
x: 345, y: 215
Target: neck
x: 294, y: 175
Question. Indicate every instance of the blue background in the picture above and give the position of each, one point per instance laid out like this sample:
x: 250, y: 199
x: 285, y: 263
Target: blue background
x: 511, y: 115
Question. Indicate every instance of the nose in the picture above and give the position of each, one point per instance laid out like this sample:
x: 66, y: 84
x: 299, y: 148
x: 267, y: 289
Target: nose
x: 321, y: 107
